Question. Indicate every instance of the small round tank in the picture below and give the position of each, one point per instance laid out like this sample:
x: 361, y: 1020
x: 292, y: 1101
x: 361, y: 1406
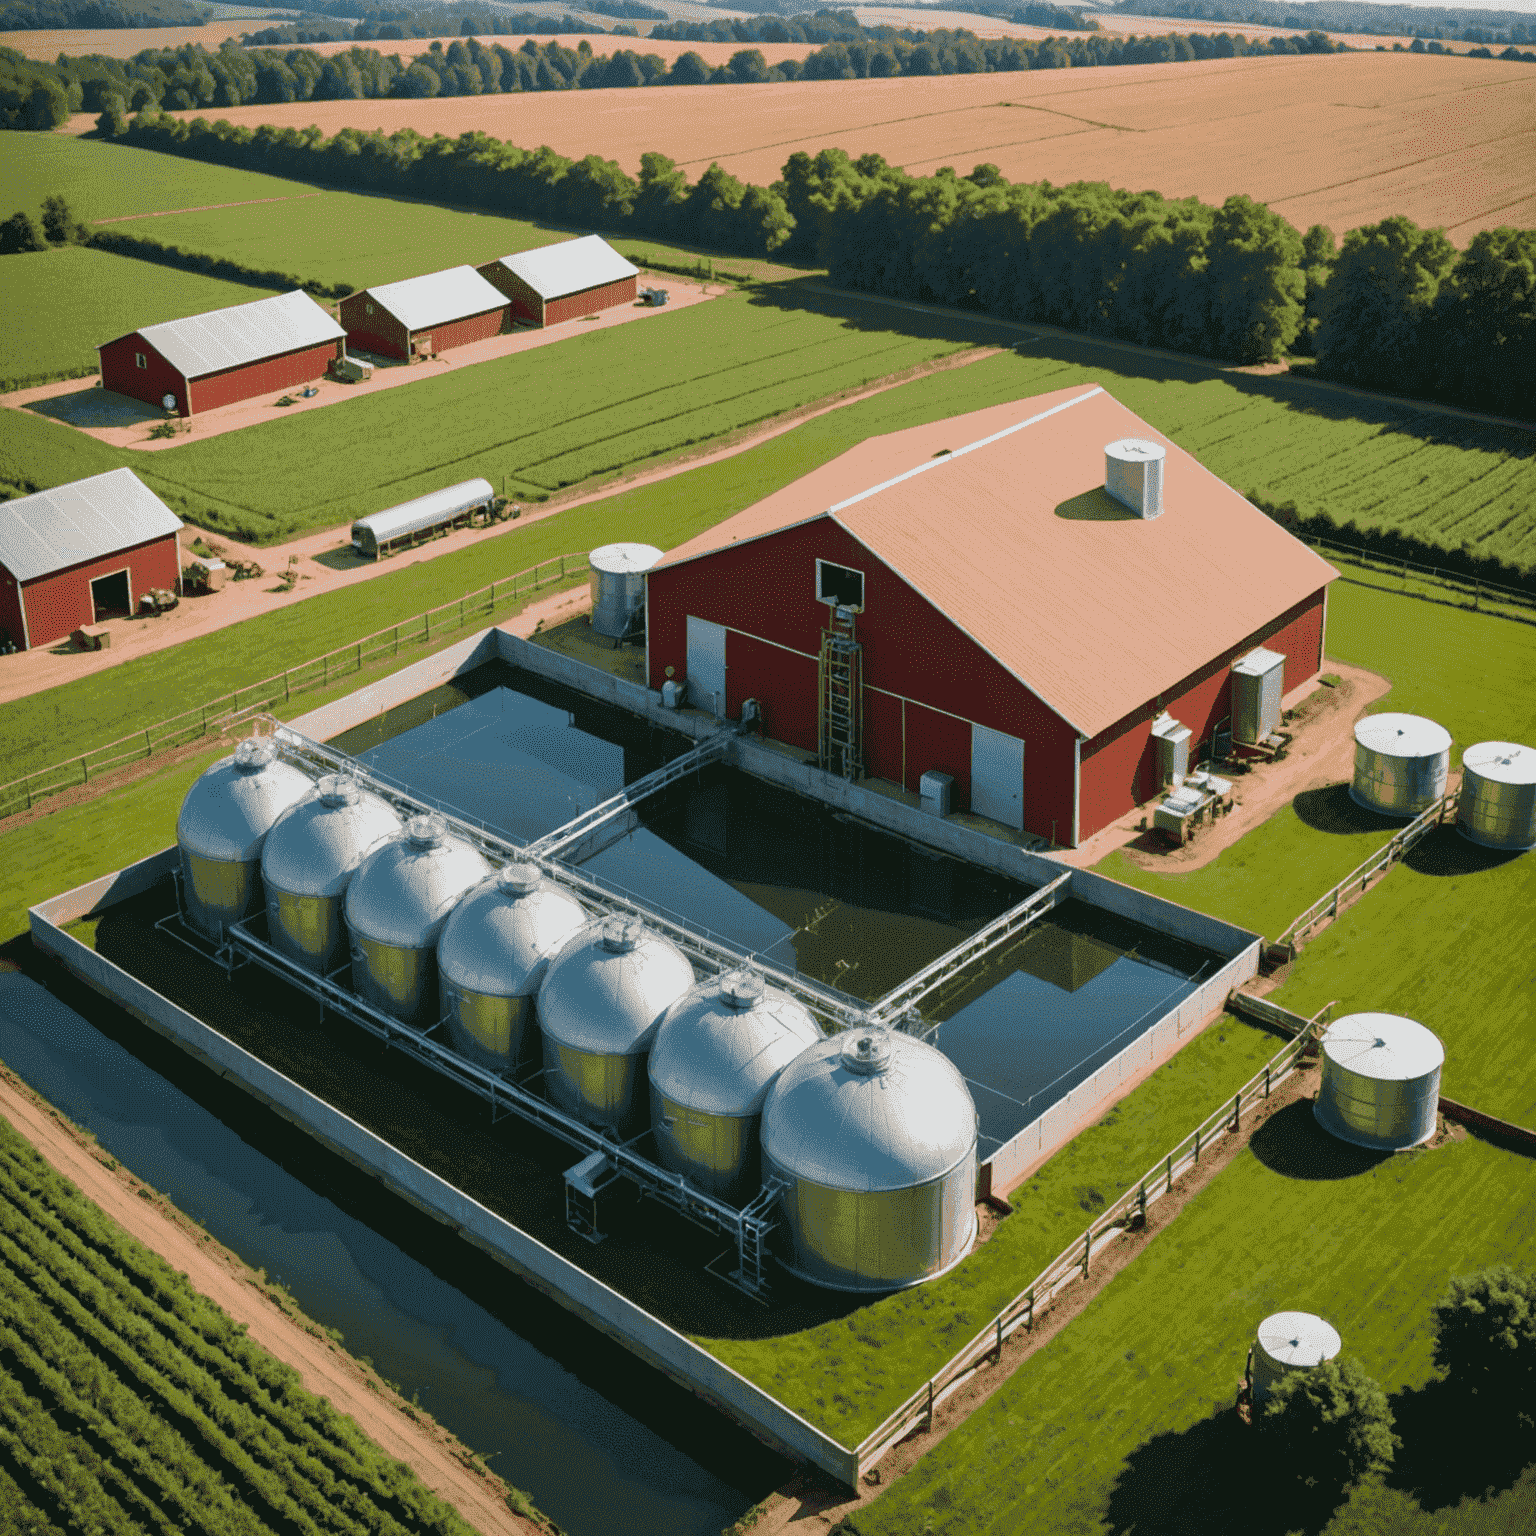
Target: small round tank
x: 308, y: 860
x: 718, y: 1050
x: 1290, y: 1341
x: 492, y: 958
x: 223, y: 823
x: 618, y: 585
x: 396, y: 906
x: 874, y: 1135
x: 1497, y: 806
x: 1381, y: 1081
x: 602, y: 997
x: 1401, y: 762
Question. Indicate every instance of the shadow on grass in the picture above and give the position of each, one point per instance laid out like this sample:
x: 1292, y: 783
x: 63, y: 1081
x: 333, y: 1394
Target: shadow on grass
x: 1449, y: 1453
x: 1446, y: 852
x: 1332, y: 810
x: 1292, y: 1144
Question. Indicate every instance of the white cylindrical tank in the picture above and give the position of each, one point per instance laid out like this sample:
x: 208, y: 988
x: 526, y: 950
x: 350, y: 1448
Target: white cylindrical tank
x: 396, y: 906
x: 223, y: 823
x: 1401, y: 763
x: 1497, y: 805
x: 1290, y: 1341
x: 873, y: 1133
x: 618, y: 584
x: 308, y: 861
x: 1381, y: 1081
x: 1133, y: 474
x: 718, y: 1051
x: 602, y: 998
x: 492, y: 958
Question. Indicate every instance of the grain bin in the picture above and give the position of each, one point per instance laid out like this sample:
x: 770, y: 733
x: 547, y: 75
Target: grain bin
x: 1400, y: 764
x: 873, y: 1135
x: 396, y: 906
x: 492, y: 958
x: 718, y: 1051
x: 223, y: 823
x: 602, y: 998
x: 1133, y: 474
x: 618, y: 585
x: 1287, y: 1342
x: 1258, y: 682
x: 1497, y: 806
x: 1381, y: 1081
x: 308, y: 861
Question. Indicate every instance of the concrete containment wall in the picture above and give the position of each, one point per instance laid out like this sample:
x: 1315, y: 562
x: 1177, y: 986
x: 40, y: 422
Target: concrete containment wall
x: 592, y: 1301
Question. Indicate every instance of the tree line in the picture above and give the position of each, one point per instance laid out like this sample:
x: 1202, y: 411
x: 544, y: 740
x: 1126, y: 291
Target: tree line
x: 1368, y: 16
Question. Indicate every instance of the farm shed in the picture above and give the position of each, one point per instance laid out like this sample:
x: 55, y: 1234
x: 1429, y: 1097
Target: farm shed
x: 564, y: 281
x: 424, y: 315
x: 81, y: 553
x: 1005, y: 618
x: 225, y: 355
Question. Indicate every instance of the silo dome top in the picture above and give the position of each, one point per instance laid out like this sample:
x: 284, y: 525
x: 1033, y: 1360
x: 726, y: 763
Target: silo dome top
x: 315, y: 846
x: 869, y: 1110
x: 720, y: 1046
x: 1298, y: 1339
x: 426, y: 830
x: 1394, y: 735
x: 608, y: 986
x: 1135, y: 450
x: 1382, y: 1045
x: 1504, y: 762
x: 338, y: 789
x: 230, y: 809
x: 403, y: 891
x: 624, y: 559
x: 499, y: 939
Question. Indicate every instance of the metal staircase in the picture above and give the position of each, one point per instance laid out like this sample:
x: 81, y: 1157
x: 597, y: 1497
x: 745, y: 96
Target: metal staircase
x: 756, y: 1223
x: 840, y: 738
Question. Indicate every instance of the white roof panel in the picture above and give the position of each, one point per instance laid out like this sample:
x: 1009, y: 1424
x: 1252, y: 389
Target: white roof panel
x: 572, y: 266
x: 243, y: 333
x: 85, y: 520
x: 437, y: 298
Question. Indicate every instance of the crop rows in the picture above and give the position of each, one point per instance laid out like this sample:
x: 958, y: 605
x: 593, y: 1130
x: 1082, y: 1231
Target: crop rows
x: 130, y: 1403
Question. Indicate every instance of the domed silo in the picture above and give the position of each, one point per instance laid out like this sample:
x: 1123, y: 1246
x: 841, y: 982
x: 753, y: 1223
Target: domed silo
x: 875, y: 1135
x: 602, y: 997
x: 718, y: 1051
x: 1497, y: 805
x: 492, y: 958
x: 396, y: 906
x: 223, y: 823
x: 1381, y: 1081
x: 1401, y: 763
x: 618, y: 585
x: 1287, y: 1342
x: 308, y: 861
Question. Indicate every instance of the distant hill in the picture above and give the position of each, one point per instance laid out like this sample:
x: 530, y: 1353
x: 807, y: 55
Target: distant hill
x: 94, y: 15
x: 1472, y: 26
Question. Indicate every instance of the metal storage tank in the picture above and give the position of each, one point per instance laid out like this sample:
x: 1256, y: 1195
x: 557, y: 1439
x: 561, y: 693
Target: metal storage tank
x: 492, y: 958
x: 1381, y: 1081
x: 1401, y: 762
x: 396, y: 906
x: 309, y: 859
x: 1258, y: 682
x: 1133, y: 474
x: 718, y: 1051
x: 602, y: 998
x: 618, y: 584
x: 1497, y: 807
x: 874, y: 1135
x: 1290, y: 1341
x: 223, y: 823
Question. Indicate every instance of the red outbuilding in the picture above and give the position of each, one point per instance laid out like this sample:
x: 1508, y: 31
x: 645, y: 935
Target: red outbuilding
x: 225, y: 355
x: 1013, y: 597
x: 564, y: 281
x: 82, y: 553
x: 423, y: 316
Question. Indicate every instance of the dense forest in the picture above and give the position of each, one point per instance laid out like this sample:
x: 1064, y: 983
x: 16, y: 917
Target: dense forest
x: 1368, y: 16
x: 106, y: 15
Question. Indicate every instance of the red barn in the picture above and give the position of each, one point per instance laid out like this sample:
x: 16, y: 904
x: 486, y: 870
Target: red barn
x: 225, y: 355
x: 1029, y: 587
x: 564, y: 281
x: 422, y: 316
x: 81, y: 553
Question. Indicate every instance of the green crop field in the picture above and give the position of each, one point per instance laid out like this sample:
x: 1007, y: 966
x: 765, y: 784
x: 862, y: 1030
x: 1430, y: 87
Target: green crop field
x: 131, y: 1403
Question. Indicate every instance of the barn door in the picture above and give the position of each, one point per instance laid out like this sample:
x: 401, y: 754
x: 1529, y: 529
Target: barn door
x: 706, y: 665
x: 997, y: 776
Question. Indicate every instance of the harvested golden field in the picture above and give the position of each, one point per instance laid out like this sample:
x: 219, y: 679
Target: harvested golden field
x: 1341, y: 140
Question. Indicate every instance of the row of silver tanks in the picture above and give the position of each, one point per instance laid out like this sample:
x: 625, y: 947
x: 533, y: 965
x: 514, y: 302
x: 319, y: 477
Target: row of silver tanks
x: 871, y: 1133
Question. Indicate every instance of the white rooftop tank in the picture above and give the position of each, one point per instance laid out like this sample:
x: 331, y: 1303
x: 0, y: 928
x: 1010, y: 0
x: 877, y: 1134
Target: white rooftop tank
x: 1381, y: 1081
x: 1288, y: 1342
x: 1401, y: 763
x: 1497, y: 805
x: 1133, y: 474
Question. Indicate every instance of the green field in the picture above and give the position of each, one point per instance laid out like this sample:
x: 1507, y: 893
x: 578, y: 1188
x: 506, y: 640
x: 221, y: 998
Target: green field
x: 130, y: 1403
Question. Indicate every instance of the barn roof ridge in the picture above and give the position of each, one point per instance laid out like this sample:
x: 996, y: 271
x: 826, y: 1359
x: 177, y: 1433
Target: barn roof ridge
x: 69, y: 524
x: 437, y: 298
x: 568, y: 266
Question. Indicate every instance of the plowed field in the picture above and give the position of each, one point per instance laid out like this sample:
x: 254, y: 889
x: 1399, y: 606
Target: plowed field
x: 1341, y: 140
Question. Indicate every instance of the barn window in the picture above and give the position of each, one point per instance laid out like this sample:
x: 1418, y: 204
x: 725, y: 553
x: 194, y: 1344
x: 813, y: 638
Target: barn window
x: 370, y: 308
x: 840, y: 585
x: 140, y: 360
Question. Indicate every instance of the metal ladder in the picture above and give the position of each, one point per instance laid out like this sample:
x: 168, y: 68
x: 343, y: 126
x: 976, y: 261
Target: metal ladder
x: 842, y: 697
x: 755, y: 1226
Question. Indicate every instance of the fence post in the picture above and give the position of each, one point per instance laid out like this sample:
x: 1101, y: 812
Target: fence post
x: 930, y: 1402
x: 1237, y: 1111
x: 1197, y: 1143
x: 562, y: 567
x: 1087, y: 1250
x: 1170, y: 1173
x: 426, y: 620
x: 148, y: 749
x: 1141, y: 1202
x: 85, y: 772
x: 999, y: 1335
x: 325, y: 670
x: 397, y: 639
x: 1029, y: 1316
x: 287, y: 685
x: 359, y: 655
x: 1266, y: 1079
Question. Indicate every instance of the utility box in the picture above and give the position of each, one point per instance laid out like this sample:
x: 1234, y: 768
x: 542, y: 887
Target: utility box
x: 1172, y: 749
x: 217, y: 572
x: 671, y: 694
x: 1257, y: 681
x: 938, y: 793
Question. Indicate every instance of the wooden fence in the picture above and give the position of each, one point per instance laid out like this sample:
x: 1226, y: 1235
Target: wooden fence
x: 230, y: 710
x: 1470, y: 591
x: 1075, y: 1260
